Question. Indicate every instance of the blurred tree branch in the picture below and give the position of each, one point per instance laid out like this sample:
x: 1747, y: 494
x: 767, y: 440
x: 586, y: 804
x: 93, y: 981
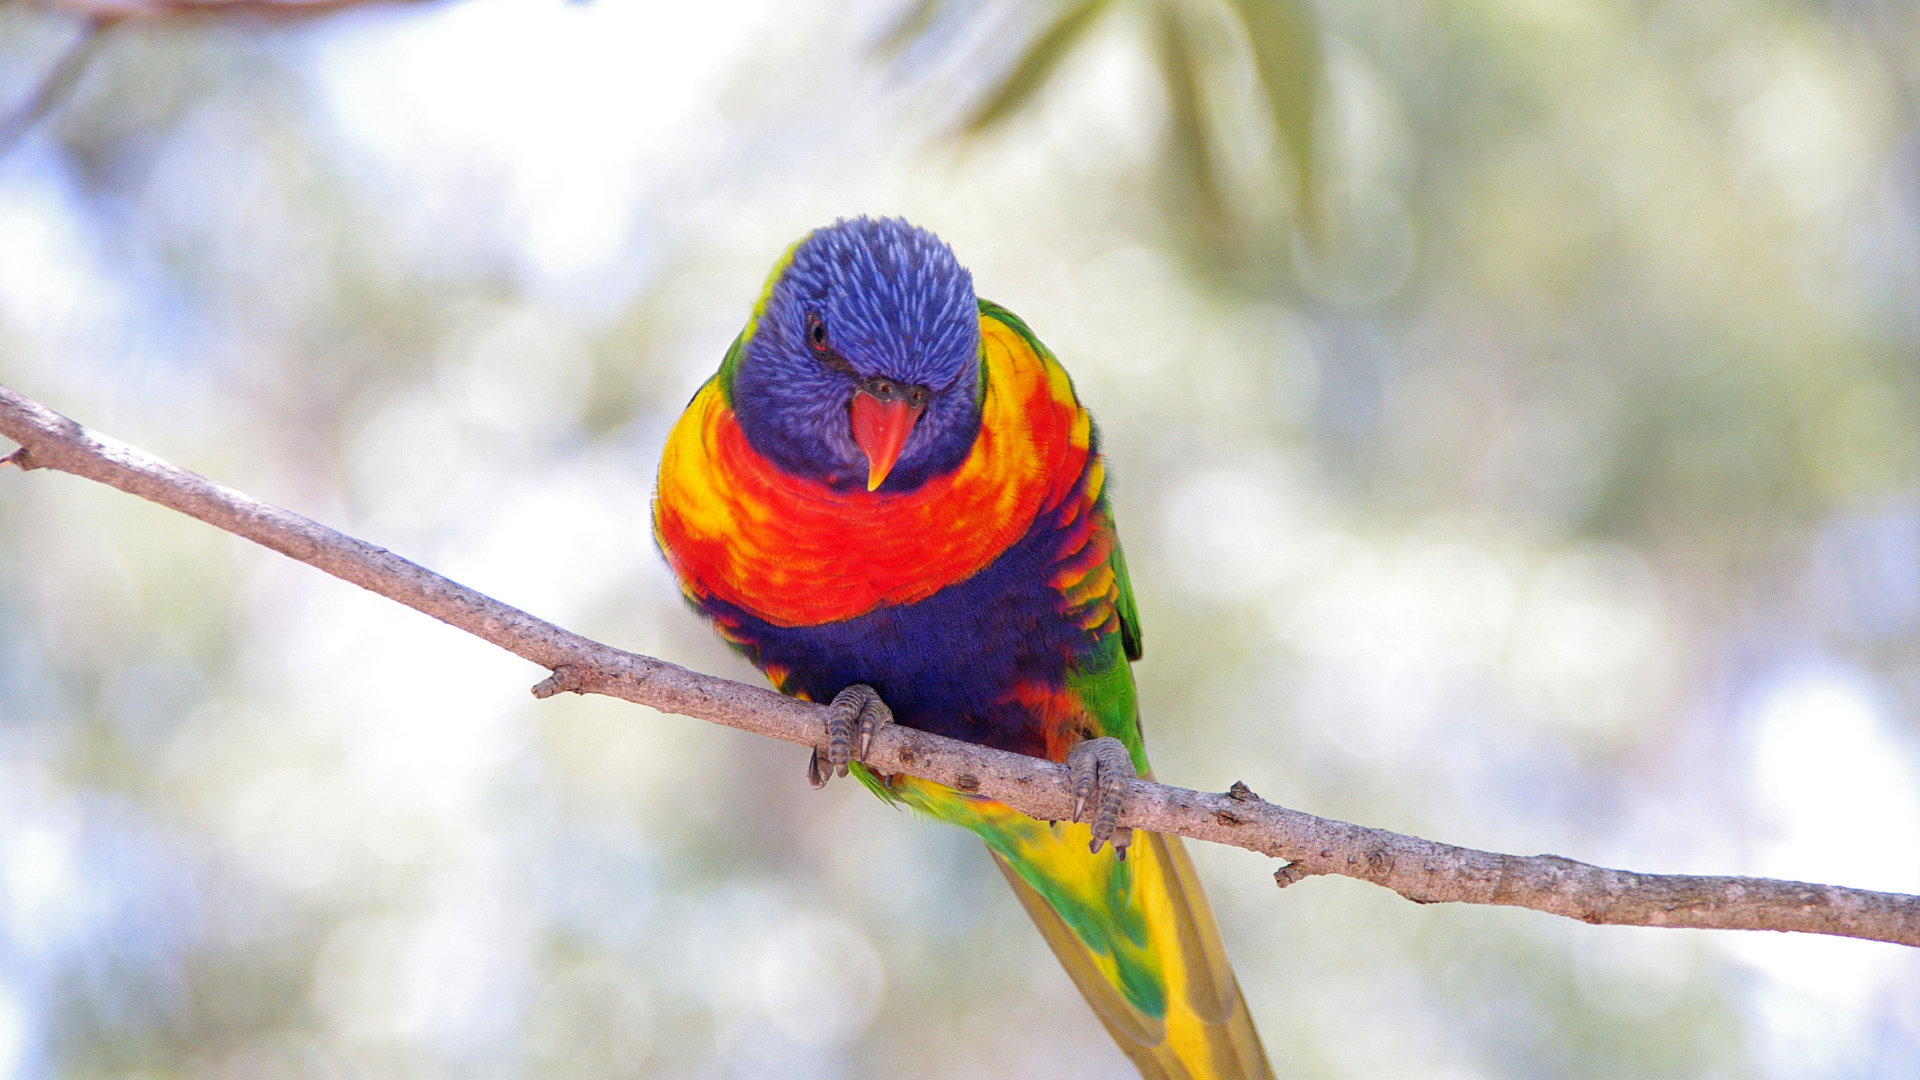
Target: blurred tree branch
x: 1420, y: 870
x: 264, y: 10
x: 59, y: 81
x: 99, y: 16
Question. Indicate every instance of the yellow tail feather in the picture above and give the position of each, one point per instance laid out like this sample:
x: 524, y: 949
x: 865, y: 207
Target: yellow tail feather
x: 1206, y: 1033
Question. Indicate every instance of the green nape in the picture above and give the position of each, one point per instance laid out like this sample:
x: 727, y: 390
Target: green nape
x: 731, y: 363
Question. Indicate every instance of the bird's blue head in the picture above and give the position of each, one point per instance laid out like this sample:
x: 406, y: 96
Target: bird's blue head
x: 863, y: 365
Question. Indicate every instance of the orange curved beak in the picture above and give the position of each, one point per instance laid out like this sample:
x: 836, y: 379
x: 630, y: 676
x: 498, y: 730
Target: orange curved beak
x: 881, y: 429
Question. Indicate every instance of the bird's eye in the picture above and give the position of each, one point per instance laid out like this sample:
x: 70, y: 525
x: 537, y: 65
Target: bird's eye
x: 816, y: 333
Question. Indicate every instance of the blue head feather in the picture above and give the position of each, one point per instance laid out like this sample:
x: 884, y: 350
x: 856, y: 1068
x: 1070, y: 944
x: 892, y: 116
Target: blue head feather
x: 895, y: 303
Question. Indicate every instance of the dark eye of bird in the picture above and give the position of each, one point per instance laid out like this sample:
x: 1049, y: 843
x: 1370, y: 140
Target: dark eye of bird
x: 817, y: 341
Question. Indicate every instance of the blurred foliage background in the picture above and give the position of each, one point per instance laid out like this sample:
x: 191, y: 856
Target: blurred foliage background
x: 1516, y: 423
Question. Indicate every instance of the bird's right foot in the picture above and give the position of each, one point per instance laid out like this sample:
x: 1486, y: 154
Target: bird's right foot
x: 856, y: 711
x: 1098, y: 771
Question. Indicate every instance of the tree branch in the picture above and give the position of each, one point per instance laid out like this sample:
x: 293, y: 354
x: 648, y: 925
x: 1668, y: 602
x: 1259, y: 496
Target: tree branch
x: 265, y: 11
x: 57, y: 83
x: 103, y: 15
x: 1420, y: 870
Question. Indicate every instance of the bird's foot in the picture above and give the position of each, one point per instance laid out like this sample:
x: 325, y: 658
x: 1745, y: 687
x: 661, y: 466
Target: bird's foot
x: 1098, y: 771
x: 855, y: 711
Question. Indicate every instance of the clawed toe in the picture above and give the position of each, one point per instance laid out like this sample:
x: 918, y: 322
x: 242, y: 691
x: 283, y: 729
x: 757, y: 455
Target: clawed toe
x: 1098, y: 771
x: 855, y: 711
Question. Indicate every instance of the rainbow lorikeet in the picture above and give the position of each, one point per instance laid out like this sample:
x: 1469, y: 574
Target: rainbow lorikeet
x: 890, y: 499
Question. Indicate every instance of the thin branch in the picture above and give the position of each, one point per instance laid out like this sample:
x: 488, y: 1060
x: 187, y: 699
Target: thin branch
x: 57, y: 83
x: 273, y: 11
x: 102, y: 15
x: 1420, y: 870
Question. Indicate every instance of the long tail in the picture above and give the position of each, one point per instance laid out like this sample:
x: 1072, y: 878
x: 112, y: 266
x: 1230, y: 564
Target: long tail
x: 1137, y: 937
x: 1205, y: 1031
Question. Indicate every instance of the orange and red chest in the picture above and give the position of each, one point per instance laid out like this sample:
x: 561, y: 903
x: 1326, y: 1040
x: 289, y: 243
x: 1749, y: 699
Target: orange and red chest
x: 796, y: 552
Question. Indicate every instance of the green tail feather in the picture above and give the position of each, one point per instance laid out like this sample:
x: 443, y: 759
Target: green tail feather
x: 1137, y: 937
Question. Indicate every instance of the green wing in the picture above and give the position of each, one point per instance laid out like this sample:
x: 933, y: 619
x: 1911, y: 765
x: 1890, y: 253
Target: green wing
x: 1129, y: 614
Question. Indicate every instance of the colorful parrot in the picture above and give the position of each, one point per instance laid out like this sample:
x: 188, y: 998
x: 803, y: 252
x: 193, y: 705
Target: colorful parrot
x: 890, y: 499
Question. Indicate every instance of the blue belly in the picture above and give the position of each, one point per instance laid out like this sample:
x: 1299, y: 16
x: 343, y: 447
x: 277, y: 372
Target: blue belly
x: 946, y: 664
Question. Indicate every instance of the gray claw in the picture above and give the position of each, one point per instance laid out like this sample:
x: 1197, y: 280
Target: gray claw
x: 857, y: 708
x: 1102, y: 767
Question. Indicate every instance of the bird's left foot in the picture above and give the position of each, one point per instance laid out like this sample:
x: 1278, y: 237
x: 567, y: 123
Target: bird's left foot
x: 858, y: 712
x: 1098, y: 771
